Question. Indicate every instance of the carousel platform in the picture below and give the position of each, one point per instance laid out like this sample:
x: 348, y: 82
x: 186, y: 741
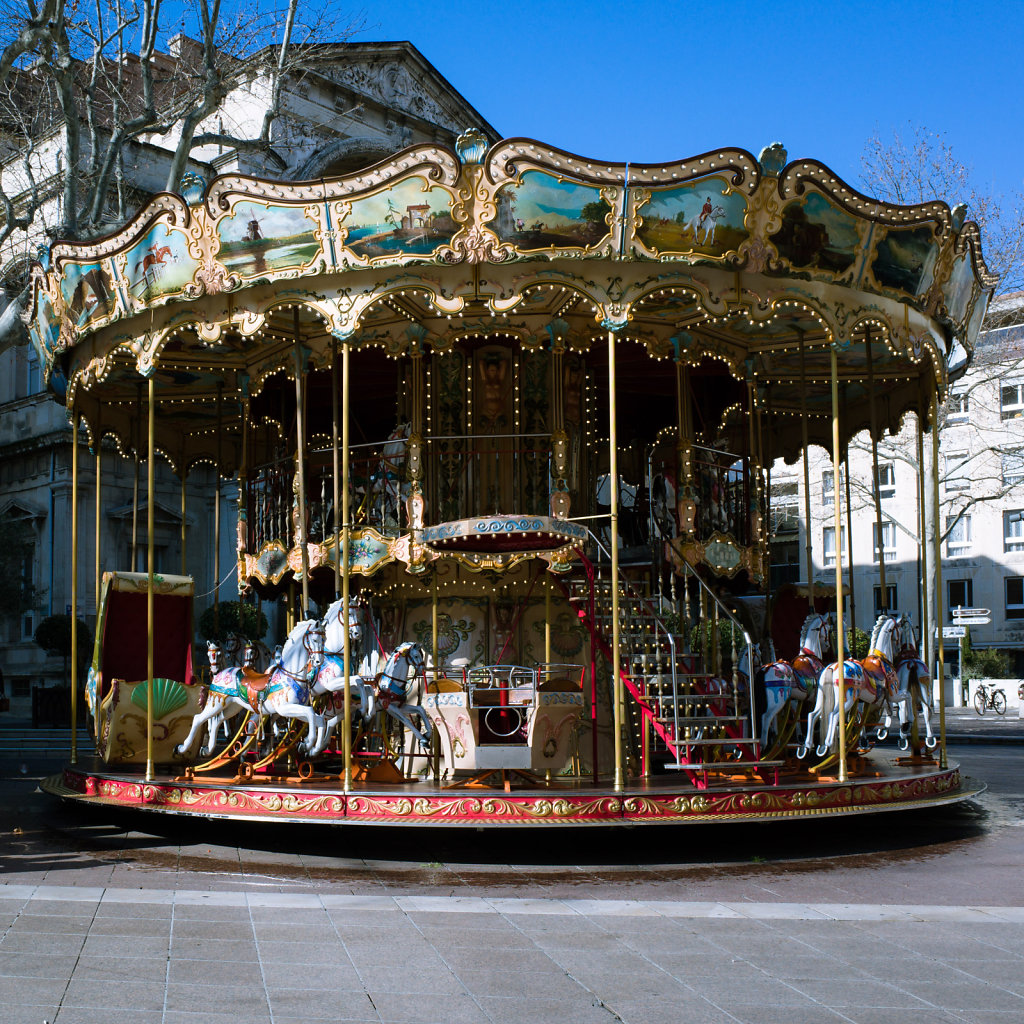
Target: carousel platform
x: 880, y: 784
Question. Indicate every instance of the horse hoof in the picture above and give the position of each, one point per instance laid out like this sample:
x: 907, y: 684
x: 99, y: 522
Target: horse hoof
x: 904, y: 745
x: 821, y: 751
x: 932, y: 743
x: 881, y: 735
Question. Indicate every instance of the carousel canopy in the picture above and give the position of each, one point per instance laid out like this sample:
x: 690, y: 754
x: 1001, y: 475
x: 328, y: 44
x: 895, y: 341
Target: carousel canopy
x: 749, y: 271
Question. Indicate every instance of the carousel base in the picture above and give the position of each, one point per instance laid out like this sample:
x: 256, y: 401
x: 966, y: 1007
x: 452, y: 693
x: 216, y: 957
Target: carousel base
x: 881, y: 784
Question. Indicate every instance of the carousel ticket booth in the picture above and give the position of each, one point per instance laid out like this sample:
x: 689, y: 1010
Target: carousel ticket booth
x: 502, y: 422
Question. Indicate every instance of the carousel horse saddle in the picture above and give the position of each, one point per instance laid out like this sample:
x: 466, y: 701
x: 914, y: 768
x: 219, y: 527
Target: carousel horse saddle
x: 879, y: 672
x: 254, y: 685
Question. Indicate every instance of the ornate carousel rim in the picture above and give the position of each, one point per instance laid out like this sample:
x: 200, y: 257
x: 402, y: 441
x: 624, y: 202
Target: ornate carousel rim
x: 424, y: 805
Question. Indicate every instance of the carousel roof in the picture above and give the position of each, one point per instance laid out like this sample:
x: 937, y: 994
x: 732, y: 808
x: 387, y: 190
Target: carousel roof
x: 758, y: 267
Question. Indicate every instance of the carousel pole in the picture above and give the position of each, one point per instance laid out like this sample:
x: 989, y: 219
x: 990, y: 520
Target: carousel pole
x: 135, y: 484
x: 335, y: 454
x: 184, y: 507
x: 433, y: 626
x: 838, y: 527
x: 940, y: 649
x: 300, y: 458
x: 74, y: 582
x: 216, y: 512
x: 96, y: 511
x: 151, y: 569
x: 346, y: 575
x: 613, y: 485
x: 922, y: 546
x: 849, y: 527
x: 547, y: 620
x: 808, y: 562
x: 880, y: 544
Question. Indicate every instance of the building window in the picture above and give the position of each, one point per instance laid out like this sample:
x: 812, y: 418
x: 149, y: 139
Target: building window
x: 28, y: 630
x: 891, y: 605
x: 1011, y: 400
x: 1015, y: 597
x: 785, y: 512
x: 958, y: 409
x: 1013, y: 530
x: 885, y: 485
x: 960, y: 594
x: 958, y: 536
x: 828, y: 486
x: 956, y: 479
x: 1013, y: 468
x: 829, y: 543
x: 888, y: 541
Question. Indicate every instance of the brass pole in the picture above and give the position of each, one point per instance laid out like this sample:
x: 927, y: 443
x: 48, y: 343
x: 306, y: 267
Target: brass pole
x: 216, y: 512
x: 874, y: 469
x: 547, y: 620
x: 96, y: 512
x: 345, y: 574
x: 135, y: 484
x: 926, y: 641
x: 940, y: 647
x: 849, y: 528
x: 74, y: 582
x: 184, y: 505
x: 244, y: 512
x: 337, y: 468
x: 807, y: 476
x: 151, y: 568
x: 300, y: 458
x: 433, y: 626
x: 613, y: 485
x: 838, y: 526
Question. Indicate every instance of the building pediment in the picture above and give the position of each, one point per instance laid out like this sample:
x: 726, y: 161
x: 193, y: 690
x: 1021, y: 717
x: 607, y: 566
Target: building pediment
x: 19, y: 509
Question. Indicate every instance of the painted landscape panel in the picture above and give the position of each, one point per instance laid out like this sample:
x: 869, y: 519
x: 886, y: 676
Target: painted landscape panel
x: 956, y: 293
x: 87, y: 292
x: 543, y: 212
x: 817, y: 234
x: 158, y: 264
x: 703, y: 217
x: 409, y: 219
x: 258, y: 238
x: 905, y: 259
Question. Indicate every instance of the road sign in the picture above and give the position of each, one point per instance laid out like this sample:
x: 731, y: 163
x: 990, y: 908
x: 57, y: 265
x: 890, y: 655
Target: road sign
x: 954, y: 632
x: 973, y: 620
x: 970, y: 613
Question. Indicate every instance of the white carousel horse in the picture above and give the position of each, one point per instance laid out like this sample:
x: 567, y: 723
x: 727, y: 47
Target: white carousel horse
x: 871, y: 682
x: 217, y: 709
x: 331, y: 677
x: 815, y: 642
x: 707, y: 226
x: 393, y: 690
x: 914, y: 690
x: 778, y: 679
x: 286, y: 690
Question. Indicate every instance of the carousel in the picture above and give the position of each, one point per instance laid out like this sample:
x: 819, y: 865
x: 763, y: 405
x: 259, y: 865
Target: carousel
x: 501, y: 423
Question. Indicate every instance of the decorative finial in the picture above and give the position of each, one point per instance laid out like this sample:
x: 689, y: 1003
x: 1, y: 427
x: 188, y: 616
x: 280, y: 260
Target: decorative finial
x: 471, y: 146
x: 773, y: 158
x: 192, y: 188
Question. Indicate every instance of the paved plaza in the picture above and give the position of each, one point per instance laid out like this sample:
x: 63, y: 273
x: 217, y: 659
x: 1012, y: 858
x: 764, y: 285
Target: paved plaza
x: 902, y: 918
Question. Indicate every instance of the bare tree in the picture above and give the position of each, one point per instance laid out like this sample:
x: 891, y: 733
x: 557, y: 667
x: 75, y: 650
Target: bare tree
x: 918, y: 165
x: 85, y: 88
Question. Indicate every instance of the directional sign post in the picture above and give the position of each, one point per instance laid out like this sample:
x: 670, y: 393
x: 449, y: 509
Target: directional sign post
x: 954, y: 632
x: 972, y: 616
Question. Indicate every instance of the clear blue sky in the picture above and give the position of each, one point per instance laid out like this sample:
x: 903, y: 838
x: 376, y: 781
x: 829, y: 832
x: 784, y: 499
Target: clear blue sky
x: 647, y: 82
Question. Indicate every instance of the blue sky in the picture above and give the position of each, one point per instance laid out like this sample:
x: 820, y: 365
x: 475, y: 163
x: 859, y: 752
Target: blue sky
x: 648, y: 82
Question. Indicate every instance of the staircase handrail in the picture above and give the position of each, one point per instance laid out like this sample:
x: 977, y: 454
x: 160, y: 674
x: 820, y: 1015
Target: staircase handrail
x: 654, y: 615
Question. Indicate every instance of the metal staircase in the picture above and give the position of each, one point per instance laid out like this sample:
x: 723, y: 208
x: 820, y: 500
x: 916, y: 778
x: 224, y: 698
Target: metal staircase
x: 684, y: 716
